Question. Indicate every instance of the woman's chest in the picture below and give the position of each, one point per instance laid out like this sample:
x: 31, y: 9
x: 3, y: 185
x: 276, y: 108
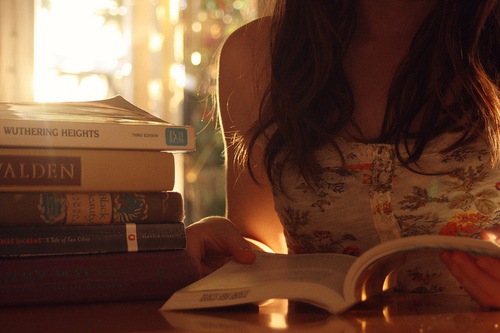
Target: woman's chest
x: 373, y: 198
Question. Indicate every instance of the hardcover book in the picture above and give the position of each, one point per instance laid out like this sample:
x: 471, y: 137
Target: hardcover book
x: 107, y: 124
x: 48, y: 209
x: 62, y: 240
x: 334, y: 282
x: 109, y: 277
x: 85, y: 170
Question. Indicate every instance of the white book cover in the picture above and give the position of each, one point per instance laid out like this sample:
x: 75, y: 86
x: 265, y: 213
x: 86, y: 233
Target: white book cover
x: 107, y: 124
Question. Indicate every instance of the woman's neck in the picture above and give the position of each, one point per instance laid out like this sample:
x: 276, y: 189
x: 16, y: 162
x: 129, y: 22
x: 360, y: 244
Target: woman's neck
x: 391, y: 20
x: 382, y: 38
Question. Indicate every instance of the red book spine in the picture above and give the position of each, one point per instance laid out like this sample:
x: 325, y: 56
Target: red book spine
x: 48, y: 209
x: 95, y: 278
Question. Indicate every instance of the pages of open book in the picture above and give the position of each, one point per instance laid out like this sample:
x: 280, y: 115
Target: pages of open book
x: 313, y: 278
x: 374, y: 270
x: 330, y: 281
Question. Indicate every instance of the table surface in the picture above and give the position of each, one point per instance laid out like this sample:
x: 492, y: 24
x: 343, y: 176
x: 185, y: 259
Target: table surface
x: 386, y: 313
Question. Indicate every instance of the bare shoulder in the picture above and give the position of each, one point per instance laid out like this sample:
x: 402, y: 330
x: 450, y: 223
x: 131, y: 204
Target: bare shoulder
x: 248, y: 41
x: 241, y: 85
x: 242, y: 74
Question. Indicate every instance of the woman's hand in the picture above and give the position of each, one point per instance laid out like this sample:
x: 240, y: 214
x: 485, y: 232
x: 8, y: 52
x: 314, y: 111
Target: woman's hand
x: 479, y: 276
x: 213, y: 241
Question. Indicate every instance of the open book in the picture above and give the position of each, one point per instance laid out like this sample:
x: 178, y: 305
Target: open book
x: 333, y: 282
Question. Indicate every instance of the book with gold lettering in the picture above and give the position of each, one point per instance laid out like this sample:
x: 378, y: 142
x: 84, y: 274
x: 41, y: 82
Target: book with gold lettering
x: 77, y: 239
x: 85, y: 170
x: 107, y: 124
x: 86, y: 208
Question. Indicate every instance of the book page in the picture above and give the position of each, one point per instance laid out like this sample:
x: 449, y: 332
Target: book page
x: 304, y: 277
x: 367, y: 276
x: 328, y: 269
x: 114, y: 110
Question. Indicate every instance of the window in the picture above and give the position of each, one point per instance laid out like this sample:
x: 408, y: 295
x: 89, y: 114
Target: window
x: 158, y: 54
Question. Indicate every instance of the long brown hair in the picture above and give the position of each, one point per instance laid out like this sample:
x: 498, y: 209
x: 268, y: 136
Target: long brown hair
x: 308, y: 101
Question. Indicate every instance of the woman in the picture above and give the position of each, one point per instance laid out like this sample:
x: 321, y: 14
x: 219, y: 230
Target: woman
x: 349, y: 123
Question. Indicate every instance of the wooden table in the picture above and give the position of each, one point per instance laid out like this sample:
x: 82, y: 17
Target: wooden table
x: 415, y: 313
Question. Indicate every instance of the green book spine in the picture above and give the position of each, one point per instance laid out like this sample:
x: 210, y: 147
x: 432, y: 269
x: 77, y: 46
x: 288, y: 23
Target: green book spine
x: 57, y: 240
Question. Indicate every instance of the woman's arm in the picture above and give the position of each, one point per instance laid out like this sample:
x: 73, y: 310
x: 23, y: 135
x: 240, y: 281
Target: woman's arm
x: 249, y: 206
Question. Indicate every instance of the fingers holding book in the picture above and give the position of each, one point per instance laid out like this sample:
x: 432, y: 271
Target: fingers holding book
x: 213, y: 241
x: 480, y: 275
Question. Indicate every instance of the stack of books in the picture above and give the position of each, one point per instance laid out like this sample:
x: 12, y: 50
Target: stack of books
x: 87, y: 207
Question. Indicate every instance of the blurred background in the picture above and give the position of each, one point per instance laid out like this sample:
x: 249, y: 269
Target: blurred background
x: 158, y: 54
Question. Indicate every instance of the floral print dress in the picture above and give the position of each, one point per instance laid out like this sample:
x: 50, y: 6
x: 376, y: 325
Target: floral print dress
x: 374, y: 199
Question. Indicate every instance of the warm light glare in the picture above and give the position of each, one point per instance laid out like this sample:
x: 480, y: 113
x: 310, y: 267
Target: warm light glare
x: 191, y: 177
x: 155, y: 42
x: 178, y: 44
x: 215, y: 31
x: 72, y: 42
x: 237, y: 4
x: 177, y: 83
x: 387, y: 283
x: 174, y: 11
x: 227, y: 19
x: 178, y: 74
x: 155, y: 89
x: 196, y: 58
x: 274, y: 312
x: 202, y: 16
x: 127, y: 69
x: 385, y: 312
x: 66, y: 85
x: 51, y: 87
x: 95, y: 85
x: 196, y: 26
x: 160, y: 13
x: 277, y: 321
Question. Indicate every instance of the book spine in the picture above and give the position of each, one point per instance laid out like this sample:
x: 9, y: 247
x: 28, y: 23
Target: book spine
x: 49, y: 209
x: 75, y: 170
x: 66, y: 134
x: 95, y: 278
x: 57, y: 240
